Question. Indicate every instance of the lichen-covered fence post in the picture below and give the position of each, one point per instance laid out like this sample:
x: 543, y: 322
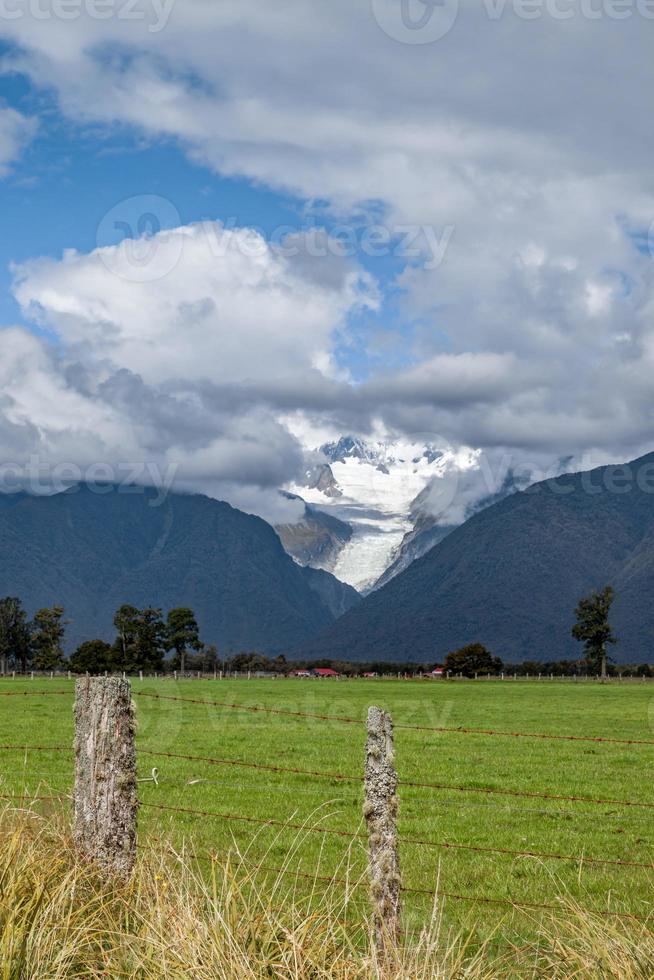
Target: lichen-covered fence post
x: 105, y: 774
x: 380, y: 811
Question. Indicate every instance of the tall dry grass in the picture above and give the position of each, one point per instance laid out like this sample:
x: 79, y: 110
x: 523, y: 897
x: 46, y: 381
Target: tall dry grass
x: 59, y: 919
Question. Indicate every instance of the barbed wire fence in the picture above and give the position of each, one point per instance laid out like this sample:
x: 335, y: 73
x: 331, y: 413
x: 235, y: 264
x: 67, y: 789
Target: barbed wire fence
x: 105, y: 803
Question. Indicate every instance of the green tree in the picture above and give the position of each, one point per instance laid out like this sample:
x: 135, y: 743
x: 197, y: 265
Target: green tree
x: 183, y: 634
x: 151, y: 641
x: 14, y: 634
x: 210, y: 658
x: 92, y: 657
x: 473, y: 659
x: 593, y: 628
x: 48, y: 632
x: 142, y: 639
x: 126, y: 623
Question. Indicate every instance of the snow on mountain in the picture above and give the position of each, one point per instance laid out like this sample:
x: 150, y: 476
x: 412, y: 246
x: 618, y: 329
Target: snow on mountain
x: 373, y: 487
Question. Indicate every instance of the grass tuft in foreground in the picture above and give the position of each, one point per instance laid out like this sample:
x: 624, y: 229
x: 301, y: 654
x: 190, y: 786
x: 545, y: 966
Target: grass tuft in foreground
x: 59, y: 919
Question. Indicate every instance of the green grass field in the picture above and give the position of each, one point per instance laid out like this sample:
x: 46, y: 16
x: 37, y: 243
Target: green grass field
x: 582, y: 830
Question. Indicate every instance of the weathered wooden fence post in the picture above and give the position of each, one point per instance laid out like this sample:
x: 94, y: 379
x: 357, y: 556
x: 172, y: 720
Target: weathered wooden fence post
x: 380, y: 811
x: 105, y: 774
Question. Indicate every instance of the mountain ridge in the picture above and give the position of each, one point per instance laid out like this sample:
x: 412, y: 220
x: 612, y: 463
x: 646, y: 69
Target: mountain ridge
x: 511, y: 576
x: 92, y: 549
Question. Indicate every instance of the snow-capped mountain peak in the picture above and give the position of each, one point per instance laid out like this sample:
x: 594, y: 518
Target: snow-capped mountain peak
x: 380, y: 454
x: 373, y: 487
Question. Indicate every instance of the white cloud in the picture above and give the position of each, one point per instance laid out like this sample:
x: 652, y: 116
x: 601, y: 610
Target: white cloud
x: 171, y: 373
x: 61, y: 422
x: 536, y: 332
x: 246, y: 314
x: 16, y: 130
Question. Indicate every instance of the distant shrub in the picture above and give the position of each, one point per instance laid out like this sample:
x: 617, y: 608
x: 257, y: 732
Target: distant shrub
x: 473, y: 659
x: 93, y: 657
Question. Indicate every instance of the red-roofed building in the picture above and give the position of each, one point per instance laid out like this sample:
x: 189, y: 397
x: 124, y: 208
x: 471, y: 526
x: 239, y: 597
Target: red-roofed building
x: 325, y: 672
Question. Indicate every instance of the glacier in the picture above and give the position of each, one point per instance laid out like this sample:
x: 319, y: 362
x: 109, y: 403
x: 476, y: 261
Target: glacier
x: 374, y: 489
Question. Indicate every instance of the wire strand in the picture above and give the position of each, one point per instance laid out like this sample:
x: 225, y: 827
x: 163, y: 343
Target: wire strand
x: 341, y: 777
x: 333, y: 879
x: 32, y: 694
x: 417, y: 728
x: 448, y: 845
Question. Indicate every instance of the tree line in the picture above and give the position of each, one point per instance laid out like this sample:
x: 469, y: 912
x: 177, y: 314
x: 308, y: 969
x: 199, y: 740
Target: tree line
x: 592, y: 628
x: 143, y: 641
